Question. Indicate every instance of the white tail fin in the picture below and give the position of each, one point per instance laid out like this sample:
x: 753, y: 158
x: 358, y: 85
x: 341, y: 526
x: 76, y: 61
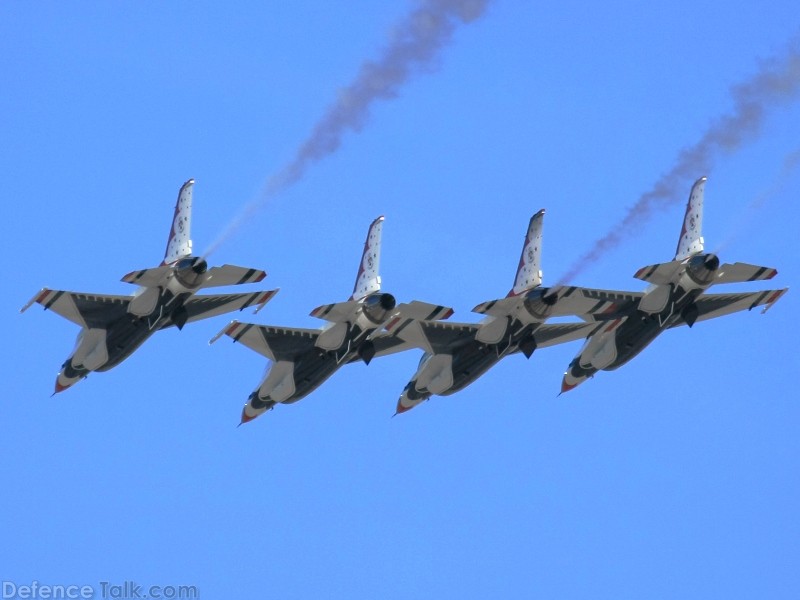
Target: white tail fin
x: 368, y: 279
x: 691, y: 240
x: 179, y: 243
x: 529, y: 274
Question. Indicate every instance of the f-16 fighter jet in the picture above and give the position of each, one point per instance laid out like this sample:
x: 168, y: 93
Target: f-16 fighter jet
x: 675, y: 297
x: 112, y: 327
x: 456, y: 354
x: 303, y: 359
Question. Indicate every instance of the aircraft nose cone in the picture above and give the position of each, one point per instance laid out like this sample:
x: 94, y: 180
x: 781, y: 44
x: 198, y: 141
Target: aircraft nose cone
x: 400, y: 408
x: 59, y: 386
x: 565, y: 387
x: 245, y: 417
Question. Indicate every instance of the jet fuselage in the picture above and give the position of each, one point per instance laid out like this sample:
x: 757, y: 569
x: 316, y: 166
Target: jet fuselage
x: 466, y: 363
x: 626, y: 336
x: 102, y: 347
x: 636, y: 332
x: 310, y: 369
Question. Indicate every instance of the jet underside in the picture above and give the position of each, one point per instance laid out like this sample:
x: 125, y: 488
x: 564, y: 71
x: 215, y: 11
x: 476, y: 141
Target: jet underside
x: 474, y: 358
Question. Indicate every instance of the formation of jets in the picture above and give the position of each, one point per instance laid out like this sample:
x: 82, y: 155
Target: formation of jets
x: 616, y: 325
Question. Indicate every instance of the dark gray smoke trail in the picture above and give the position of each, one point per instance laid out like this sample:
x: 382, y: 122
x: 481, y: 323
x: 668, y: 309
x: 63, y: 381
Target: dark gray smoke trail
x: 790, y: 164
x: 415, y: 45
x: 777, y: 81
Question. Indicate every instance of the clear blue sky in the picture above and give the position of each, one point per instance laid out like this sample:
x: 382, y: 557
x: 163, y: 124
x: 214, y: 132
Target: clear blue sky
x: 674, y: 477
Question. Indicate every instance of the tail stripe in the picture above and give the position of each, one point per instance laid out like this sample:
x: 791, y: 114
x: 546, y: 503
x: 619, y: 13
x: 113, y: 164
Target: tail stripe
x: 247, y: 276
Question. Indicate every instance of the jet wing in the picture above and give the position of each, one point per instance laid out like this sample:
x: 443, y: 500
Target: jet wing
x: 436, y: 337
x: 385, y: 344
x: 276, y: 343
x: 561, y: 333
x: 85, y: 310
x: 443, y: 337
x: 605, y: 304
x: 211, y: 305
x: 710, y: 306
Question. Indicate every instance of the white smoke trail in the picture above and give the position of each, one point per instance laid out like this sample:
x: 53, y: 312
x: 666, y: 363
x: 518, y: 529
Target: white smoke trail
x: 777, y: 81
x: 417, y: 40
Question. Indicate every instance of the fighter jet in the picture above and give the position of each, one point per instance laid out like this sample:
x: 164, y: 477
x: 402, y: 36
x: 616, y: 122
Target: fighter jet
x: 112, y: 327
x: 675, y: 297
x: 456, y: 354
x: 303, y: 359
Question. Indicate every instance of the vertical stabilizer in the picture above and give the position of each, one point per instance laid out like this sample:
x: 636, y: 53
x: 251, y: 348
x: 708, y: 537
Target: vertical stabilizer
x: 691, y: 240
x: 529, y: 274
x: 179, y: 243
x: 368, y: 279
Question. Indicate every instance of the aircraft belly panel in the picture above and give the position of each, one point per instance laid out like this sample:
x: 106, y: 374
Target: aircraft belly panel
x: 469, y: 363
x: 310, y: 371
x: 123, y: 337
x: 633, y: 336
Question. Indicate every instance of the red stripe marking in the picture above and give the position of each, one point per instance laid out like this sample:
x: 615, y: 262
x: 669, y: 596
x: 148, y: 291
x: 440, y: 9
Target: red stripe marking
x: 393, y: 323
x: 41, y: 298
x: 260, y: 277
x: 775, y: 296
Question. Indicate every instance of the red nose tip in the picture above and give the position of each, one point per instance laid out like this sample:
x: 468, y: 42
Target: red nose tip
x: 565, y: 387
x: 245, y: 417
x: 59, y: 387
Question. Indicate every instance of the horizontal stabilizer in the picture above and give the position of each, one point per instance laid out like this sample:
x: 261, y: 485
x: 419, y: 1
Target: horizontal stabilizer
x: 660, y: 274
x: 276, y: 343
x: 149, y: 277
x: 741, y: 272
x: 559, y: 301
x: 232, y: 275
x: 338, y: 312
x: 407, y: 313
x: 504, y: 307
x: 423, y: 311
